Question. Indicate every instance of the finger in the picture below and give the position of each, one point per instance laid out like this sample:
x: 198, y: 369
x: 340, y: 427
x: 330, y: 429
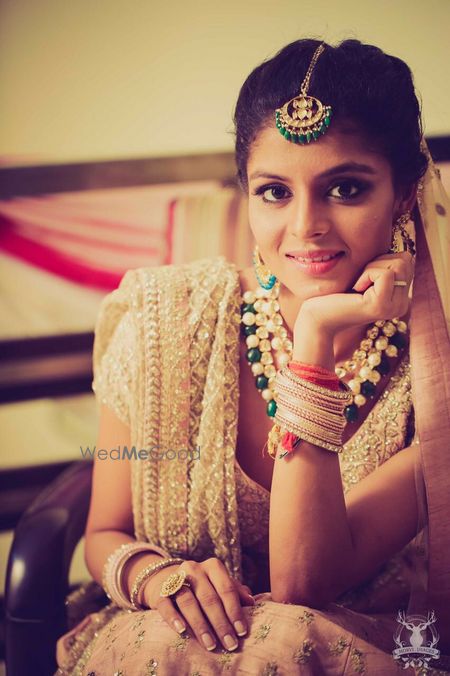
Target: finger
x: 189, y: 607
x: 170, y: 614
x: 219, y: 600
x: 179, y: 609
x: 402, y: 294
x: 403, y: 265
x: 399, y: 255
x: 363, y: 282
x: 245, y: 594
x: 163, y: 604
x: 373, y: 277
x: 381, y: 291
x: 385, y: 296
x: 230, y: 591
x: 377, y: 288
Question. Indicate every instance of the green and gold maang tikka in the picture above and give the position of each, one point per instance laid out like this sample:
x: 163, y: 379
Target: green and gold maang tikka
x: 304, y: 118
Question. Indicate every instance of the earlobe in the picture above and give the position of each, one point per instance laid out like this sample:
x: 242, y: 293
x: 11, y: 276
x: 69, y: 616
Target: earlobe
x: 408, y: 198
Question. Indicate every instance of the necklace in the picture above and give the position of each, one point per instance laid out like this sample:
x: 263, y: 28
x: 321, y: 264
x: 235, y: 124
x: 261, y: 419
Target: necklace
x: 260, y: 317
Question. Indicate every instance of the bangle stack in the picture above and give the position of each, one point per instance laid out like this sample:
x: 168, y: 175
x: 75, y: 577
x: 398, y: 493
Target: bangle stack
x: 307, y: 409
x: 112, y: 582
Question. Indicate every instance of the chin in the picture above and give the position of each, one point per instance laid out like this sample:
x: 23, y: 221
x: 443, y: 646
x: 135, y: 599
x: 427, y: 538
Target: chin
x: 310, y: 288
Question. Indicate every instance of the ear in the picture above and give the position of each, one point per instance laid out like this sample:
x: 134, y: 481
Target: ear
x: 406, y: 199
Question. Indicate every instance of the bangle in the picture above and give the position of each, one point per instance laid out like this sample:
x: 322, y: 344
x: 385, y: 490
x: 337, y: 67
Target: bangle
x: 112, y: 570
x: 309, y: 411
x: 315, y: 374
x: 143, y: 576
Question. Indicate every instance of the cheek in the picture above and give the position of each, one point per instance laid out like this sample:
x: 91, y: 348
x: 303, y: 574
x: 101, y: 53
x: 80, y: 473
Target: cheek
x: 368, y: 233
x: 264, y: 225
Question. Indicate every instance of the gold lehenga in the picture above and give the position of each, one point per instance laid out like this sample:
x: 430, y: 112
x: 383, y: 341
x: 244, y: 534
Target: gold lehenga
x: 209, y: 507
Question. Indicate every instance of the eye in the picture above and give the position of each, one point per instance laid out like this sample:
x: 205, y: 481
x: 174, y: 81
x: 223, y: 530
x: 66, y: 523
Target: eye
x: 345, y: 190
x: 271, y: 193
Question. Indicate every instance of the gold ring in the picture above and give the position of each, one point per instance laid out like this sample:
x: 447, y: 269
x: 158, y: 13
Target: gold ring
x: 173, y: 583
x: 399, y: 282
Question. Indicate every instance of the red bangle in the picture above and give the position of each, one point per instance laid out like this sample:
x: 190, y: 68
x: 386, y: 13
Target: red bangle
x: 315, y: 374
x: 311, y: 368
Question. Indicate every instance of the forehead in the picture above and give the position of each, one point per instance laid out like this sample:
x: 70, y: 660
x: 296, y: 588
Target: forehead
x: 272, y: 152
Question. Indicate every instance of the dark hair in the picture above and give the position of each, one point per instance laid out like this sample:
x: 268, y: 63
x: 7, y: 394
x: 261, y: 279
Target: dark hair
x: 360, y: 82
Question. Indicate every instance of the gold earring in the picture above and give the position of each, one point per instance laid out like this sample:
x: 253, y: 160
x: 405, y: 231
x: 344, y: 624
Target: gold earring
x: 407, y: 244
x: 265, y: 278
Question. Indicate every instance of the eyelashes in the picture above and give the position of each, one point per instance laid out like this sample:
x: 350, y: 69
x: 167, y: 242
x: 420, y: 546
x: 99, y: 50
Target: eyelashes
x: 282, y: 191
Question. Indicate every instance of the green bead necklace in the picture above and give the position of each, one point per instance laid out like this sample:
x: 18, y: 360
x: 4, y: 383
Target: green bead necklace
x: 262, y: 327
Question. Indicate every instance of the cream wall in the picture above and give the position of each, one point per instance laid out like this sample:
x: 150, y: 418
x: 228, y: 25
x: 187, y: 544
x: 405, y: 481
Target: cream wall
x: 103, y: 79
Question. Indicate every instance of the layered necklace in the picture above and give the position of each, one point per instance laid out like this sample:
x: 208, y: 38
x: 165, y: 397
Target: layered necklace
x: 262, y: 326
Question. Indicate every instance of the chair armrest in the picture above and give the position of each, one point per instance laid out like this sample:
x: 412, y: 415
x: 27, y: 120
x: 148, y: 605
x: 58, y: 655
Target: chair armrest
x: 38, y: 570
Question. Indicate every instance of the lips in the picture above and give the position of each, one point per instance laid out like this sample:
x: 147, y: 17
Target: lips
x: 313, y: 253
x: 317, y: 258
x: 312, y: 267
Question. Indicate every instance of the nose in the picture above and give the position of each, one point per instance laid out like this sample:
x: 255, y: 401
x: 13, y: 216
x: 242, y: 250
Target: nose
x: 306, y: 219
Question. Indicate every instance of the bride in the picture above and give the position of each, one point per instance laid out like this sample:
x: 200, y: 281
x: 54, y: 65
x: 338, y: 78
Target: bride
x: 315, y: 386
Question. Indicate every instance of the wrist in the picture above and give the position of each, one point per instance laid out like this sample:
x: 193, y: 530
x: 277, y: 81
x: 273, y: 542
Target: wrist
x: 313, y: 345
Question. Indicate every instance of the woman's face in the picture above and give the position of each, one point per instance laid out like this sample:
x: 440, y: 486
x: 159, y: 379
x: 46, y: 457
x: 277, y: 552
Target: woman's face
x: 310, y: 198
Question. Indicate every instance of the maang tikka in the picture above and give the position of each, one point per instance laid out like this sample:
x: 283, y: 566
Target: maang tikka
x: 304, y: 118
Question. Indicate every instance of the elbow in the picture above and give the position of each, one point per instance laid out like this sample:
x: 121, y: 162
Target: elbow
x: 316, y: 587
x: 89, y: 549
x: 312, y: 595
x: 86, y: 555
x: 318, y: 602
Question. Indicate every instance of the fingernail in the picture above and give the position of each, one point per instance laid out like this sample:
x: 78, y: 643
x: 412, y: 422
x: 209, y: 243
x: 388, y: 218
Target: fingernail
x: 240, y: 628
x: 208, y: 641
x: 230, y: 642
x: 179, y: 626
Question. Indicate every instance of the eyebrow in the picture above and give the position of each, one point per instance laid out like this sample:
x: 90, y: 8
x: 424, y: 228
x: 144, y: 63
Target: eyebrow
x: 338, y: 169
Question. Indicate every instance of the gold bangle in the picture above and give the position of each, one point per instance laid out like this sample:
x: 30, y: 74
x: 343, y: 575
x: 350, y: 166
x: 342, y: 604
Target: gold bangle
x: 328, y: 433
x: 306, y: 436
x: 286, y: 385
x: 342, y: 394
x: 144, y: 575
x: 329, y: 420
x: 308, y: 409
x: 320, y: 436
x: 298, y: 424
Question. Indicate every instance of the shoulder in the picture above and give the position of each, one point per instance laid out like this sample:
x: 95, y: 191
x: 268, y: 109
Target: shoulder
x: 160, y: 291
x: 211, y: 269
x: 212, y: 279
x: 138, y: 285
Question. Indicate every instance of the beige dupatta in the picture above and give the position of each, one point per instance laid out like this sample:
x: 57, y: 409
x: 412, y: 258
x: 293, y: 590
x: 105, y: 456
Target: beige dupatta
x: 430, y: 384
x: 183, y: 396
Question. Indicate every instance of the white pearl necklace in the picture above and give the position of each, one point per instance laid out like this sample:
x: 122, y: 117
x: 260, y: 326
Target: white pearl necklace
x: 260, y: 317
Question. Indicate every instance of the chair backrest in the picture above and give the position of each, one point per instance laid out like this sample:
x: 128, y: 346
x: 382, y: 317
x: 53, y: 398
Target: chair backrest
x: 38, y: 570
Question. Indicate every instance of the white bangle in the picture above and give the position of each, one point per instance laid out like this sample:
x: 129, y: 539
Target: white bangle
x: 112, y: 570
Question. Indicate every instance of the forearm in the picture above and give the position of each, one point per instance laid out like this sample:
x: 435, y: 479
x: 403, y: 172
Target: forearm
x: 100, y: 544
x: 310, y: 541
